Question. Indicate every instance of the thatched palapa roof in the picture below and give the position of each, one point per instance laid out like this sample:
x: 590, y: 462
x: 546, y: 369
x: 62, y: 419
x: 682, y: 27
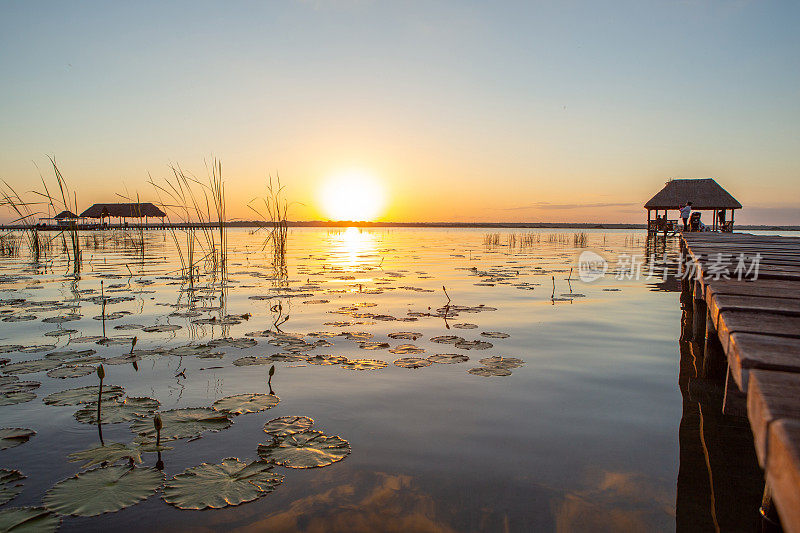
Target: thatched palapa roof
x: 132, y: 210
x: 703, y: 193
x: 65, y: 214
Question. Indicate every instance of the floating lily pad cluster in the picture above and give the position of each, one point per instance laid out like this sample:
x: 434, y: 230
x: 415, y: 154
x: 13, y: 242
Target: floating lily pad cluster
x: 496, y: 366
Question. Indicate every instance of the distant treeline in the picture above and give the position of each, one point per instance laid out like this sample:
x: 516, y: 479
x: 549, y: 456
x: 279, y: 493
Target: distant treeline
x: 506, y: 225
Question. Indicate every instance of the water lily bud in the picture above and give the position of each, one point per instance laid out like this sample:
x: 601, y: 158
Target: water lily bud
x: 272, y: 371
x: 157, y: 422
x: 101, y: 373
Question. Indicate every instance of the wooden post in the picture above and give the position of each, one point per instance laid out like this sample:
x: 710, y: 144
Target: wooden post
x: 715, y: 363
x: 700, y: 312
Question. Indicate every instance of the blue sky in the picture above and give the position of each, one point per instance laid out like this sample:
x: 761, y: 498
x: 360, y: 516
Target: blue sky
x: 567, y: 111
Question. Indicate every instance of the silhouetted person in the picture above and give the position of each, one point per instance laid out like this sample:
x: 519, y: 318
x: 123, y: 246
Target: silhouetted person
x: 686, y: 212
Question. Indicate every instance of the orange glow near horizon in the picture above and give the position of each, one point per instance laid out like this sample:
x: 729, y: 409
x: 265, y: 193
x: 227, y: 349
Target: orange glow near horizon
x: 352, y: 195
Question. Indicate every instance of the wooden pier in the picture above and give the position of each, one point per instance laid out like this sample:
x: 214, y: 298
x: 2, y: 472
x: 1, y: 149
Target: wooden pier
x: 744, y: 294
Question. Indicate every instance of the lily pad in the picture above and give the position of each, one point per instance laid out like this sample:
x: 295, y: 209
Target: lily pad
x: 190, y: 350
x: 59, y: 333
x: 115, y: 341
x: 161, y: 328
x: 288, y: 425
x: 373, y: 345
x: 448, y: 358
x: 473, y: 345
x: 13, y: 398
x: 110, y: 453
x: 11, y: 437
x: 356, y: 336
x: 115, y: 411
x: 88, y: 338
x: 7, y: 348
x: 252, y: 360
x: 28, y: 520
x: 495, y: 335
x: 412, y: 362
x: 407, y: 335
x: 465, y: 325
x: 13, y: 391
x: 103, y: 490
x: 83, y: 395
x: 406, y: 348
x: 127, y: 327
x: 19, y: 318
x: 326, y: 359
x: 307, y: 449
x: 236, y: 343
x: 286, y: 358
x: 122, y: 359
x: 9, y: 486
x: 71, y: 371
x: 229, y: 483
x: 489, y: 371
x: 29, y: 367
x: 38, y: 348
x: 363, y: 364
x: 447, y: 339
x: 502, y: 362
x: 70, y: 355
x: 246, y: 403
x: 184, y: 423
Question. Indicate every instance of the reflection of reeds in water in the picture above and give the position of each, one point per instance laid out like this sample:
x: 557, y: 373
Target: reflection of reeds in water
x: 274, y: 209
x: 632, y: 241
x: 9, y: 245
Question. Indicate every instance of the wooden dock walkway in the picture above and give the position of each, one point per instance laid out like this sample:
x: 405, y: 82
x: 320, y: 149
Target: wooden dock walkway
x: 746, y: 317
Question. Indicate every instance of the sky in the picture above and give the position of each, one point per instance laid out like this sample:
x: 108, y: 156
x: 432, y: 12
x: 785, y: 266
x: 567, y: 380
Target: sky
x: 457, y: 111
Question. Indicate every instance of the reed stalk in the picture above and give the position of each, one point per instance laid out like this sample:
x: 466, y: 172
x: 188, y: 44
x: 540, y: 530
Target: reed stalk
x: 274, y: 209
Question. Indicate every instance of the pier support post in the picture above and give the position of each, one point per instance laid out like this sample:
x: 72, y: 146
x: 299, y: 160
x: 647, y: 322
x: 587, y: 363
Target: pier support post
x: 715, y: 363
x: 699, y: 319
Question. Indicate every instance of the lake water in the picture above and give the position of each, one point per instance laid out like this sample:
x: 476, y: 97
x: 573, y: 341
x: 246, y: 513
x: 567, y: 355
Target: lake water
x: 583, y: 435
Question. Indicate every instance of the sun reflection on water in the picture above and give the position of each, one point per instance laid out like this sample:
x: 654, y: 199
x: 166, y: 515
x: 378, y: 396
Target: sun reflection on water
x: 354, y: 249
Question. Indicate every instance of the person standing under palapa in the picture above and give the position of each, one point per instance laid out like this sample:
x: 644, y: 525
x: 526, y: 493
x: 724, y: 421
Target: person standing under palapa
x: 686, y: 212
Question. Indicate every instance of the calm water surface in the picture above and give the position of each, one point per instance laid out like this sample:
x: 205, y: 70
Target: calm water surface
x: 583, y: 436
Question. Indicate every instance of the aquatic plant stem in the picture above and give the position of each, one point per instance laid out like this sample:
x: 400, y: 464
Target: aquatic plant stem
x: 101, y: 373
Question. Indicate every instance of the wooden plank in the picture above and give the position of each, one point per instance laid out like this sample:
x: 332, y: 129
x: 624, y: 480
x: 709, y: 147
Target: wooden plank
x: 779, y: 306
x: 748, y: 351
x: 770, y: 396
x: 783, y: 471
x: 768, y: 287
x: 729, y: 322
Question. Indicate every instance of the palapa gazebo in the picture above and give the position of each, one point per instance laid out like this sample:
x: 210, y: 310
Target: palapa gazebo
x: 705, y: 195
x: 66, y: 218
x: 124, y: 211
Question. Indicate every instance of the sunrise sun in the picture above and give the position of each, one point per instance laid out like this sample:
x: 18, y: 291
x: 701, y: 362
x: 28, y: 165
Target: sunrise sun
x: 353, y: 195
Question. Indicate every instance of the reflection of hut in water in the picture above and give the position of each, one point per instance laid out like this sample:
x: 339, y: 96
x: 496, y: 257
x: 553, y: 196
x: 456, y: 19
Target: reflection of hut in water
x: 705, y: 195
x: 124, y: 211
